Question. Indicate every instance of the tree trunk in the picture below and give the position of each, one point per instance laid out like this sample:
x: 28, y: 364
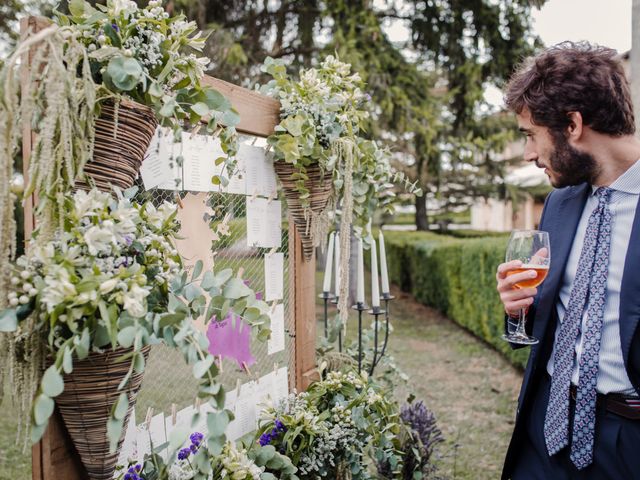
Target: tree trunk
x: 422, y: 222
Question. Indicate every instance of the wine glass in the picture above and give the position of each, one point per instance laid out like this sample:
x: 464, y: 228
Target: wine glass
x: 532, y: 248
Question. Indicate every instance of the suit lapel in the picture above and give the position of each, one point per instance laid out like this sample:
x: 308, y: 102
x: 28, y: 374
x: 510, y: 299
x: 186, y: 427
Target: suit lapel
x: 629, y: 305
x: 562, y: 229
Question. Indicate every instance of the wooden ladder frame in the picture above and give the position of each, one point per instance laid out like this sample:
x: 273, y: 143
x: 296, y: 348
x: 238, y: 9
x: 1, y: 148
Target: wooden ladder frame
x: 54, y: 457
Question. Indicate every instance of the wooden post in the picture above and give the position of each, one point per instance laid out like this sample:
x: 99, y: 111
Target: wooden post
x: 303, y: 286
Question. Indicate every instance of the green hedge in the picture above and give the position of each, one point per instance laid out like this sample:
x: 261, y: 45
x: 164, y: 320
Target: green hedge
x: 455, y: 276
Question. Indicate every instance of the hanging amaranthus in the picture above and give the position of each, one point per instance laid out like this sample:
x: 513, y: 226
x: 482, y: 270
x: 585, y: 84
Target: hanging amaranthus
x: 56, y: 99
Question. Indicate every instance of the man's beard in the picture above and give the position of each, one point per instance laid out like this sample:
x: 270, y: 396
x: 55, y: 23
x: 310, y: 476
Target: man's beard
x: 571, y: 166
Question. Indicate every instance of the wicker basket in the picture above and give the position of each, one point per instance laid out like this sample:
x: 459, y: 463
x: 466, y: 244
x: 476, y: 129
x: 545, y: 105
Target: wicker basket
x: 320, y: 187
x: 90, y: 392
x: 122, y: 139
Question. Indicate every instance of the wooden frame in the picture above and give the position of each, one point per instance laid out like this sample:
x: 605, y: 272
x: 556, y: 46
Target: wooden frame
x: 54, y: 457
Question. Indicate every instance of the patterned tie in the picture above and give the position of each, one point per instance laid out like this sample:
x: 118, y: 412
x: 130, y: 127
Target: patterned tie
x: 590, y: 283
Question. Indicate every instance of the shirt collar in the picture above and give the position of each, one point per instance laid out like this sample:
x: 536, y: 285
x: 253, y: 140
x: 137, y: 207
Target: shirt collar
x: 628, y: 182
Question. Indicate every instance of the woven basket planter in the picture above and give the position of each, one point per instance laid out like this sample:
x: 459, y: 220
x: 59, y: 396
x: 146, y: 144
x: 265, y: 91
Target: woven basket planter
x: 320, y: 188
x: 121, y: 141
x: 90, y: 392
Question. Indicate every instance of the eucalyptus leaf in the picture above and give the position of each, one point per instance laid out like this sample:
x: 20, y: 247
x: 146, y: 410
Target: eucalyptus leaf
x: 178, y: 436
x: 114, y: 432
x: 52, y: 383
x: 217, y: 423
x: 8, y: 320
x: 201, y: 367
x: 236, y: 289
x: 67, y: 361
x: 125, y: 72
x: 197, y: 270
x: 126, y: 336
x: 42, y: 409
x: 121, y: 407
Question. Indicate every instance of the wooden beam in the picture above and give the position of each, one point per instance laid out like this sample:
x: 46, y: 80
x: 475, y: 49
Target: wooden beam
x: 259, y: 114
x: 303, y: 278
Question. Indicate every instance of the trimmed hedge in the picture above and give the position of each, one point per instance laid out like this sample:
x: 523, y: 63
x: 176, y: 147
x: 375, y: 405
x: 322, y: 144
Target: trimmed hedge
x: 455, y: 276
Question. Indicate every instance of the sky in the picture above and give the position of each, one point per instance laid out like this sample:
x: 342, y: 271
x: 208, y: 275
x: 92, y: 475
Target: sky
x: 606, y: 22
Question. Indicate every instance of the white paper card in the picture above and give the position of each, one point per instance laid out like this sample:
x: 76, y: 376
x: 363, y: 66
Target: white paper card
x: 237, y: 180
x: 276, y: 342
x: 245, y: 409
x: 264, y: 223
x: 129, y: 445
x: 156, y: 430
x: 199, y: 156
x: 260, y: 174
x: 274, y: 276
x: 280, y: 384
x: 160, y: 167
x: 143, y: 445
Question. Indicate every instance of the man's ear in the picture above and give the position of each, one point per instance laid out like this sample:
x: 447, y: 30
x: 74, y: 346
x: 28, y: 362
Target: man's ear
x: 575, y: 128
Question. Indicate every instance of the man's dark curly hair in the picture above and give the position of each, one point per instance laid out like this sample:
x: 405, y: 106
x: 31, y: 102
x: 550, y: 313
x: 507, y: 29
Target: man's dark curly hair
x: 574, y: 77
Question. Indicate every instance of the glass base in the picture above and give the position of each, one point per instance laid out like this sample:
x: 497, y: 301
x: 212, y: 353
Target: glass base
x: 520, y: 339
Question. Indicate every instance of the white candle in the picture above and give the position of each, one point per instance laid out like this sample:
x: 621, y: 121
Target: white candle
x: 384, y: 274
x: 375, y: 292
x: 360, y: 280
x: 337, y: 262
x: 326, y: 287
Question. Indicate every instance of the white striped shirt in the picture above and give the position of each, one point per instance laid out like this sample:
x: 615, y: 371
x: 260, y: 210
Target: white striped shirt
x: 612, y: 376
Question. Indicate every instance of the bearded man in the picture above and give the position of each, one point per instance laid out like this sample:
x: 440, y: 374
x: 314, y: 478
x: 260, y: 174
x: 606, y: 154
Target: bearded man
x: 578, y: 414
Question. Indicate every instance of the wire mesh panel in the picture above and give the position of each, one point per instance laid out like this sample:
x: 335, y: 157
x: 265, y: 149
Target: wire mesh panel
x: 214, y: 229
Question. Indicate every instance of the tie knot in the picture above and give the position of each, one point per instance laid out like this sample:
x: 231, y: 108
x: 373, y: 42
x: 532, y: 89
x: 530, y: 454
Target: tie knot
x: 604, y: 194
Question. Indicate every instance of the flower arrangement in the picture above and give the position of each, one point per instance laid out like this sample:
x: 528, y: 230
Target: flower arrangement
x: 113, y: 279
x: 330, y: 429
x: 322, y: 123
x: 81, y: 63
x: 229, y: 462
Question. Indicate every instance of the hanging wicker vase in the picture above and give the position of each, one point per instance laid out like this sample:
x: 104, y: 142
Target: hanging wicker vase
x: 90, y: 392
x: 319, y: 187
x: 123, y: 134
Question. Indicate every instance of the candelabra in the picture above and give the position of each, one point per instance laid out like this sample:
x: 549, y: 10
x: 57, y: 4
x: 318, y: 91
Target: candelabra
x: 379, y: 347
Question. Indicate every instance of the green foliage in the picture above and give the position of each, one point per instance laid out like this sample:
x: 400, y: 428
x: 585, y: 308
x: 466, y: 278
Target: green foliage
x: 456, y: 277
x: 148, y: 55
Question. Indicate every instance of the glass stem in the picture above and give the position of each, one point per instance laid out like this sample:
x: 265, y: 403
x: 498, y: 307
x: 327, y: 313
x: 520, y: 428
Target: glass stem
x: 520, y: 331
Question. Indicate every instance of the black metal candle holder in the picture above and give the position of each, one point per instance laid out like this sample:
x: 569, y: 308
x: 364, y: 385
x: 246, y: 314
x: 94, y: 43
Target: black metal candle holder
x: 376, y: 312
x: 326, y: 296
x: 360, y: 307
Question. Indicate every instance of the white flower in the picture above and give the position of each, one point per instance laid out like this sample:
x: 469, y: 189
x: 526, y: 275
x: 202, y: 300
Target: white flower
x: 134, y: 302
x: 107, y: 286
x: 58, y: 287
x: 99, y: 239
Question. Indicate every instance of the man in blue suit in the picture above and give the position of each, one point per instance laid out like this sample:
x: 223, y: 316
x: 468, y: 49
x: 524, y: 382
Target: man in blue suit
x: 578, y: 413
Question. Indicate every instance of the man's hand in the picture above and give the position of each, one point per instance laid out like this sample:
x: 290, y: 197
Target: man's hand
x: 514, y: 298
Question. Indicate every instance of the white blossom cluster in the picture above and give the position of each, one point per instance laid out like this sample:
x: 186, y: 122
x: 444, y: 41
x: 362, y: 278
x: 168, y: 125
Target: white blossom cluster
x: 150, y: 36
x: 113, y: 252
x: 237, y: 465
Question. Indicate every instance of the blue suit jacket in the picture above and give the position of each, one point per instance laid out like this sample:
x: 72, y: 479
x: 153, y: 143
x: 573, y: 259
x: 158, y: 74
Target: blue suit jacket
x: 560, y: 217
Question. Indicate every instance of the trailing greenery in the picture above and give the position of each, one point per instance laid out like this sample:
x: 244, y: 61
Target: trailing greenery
x: 455, y: 276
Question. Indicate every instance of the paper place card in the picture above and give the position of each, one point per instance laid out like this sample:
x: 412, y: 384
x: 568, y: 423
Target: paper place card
x: 276, y: 342
x: 199, y: 162
x: 237, y: 181
x: 156, y: 431
x: 143, y: 443
x: 274, y: 276
x: 280, y: 384
x: 260, y: 174
x: 264, y: 223
x: 245, y: 409
x: 160, y: 167
x: 128, y: 449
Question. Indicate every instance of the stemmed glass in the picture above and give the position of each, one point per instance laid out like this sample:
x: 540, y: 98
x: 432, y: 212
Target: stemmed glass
x: 532, y: 248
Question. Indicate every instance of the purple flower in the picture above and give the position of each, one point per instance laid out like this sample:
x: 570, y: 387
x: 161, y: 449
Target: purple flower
x: 280, y: 426
x: 367, y: 97
x: 115, y: 27
x: 128, y: 239
x: 265, y: 439
x: 184, y: 453
x: 196, y: 438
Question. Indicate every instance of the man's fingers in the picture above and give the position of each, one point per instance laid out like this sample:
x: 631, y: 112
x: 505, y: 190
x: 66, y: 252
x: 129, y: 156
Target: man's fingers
x: 540, y: 256
x: 518, y: 294
x: 504, y: 268
x: 510, y: 281
x: 513, y: 307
